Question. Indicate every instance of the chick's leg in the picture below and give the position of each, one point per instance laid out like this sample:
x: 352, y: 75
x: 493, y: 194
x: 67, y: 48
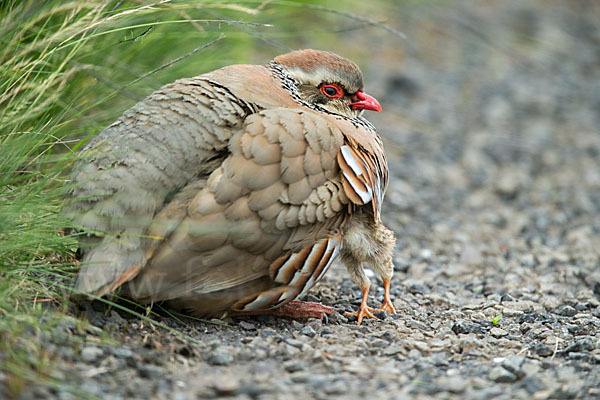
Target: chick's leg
x: 364, y: 310
x: 382, y: 263
x: 357, y: 273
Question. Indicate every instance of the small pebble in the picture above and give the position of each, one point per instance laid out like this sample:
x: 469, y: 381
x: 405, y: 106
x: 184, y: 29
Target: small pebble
x: 220, y: 359
x: 90, y: 354
x: 268, y: 332
x: 501, y: 375
x: 335, y: 388
x: 247, y: 326
x: 293, y: 366
x: 379, y: 343
x: 453, y: 384
x: 226, y: 385
x: 498, y: 332
x: 121, y: 352
x: 308, y: 331
x: 149, y: 371
x: 294, y: 342
x: 567, y: 311
x: 514, y: 364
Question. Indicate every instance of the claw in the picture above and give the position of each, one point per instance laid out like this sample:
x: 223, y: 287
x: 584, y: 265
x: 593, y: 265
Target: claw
x: 386, y: 306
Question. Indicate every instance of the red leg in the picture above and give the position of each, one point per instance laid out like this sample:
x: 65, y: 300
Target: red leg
x: 387, y: 303
x: 294, y: 309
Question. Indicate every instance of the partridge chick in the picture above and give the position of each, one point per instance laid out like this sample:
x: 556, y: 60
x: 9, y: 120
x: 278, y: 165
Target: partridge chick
x: 234, y: 191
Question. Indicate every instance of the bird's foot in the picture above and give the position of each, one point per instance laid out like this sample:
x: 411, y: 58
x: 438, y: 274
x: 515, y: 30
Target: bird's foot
x: 363, y: 311
x: 387, y: 303
x: 386, y: 306
x: 295, y: 310
x: 304, y: 309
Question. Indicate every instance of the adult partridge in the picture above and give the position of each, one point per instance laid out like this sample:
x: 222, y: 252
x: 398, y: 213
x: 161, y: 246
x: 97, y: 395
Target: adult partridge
x: 234, y: 191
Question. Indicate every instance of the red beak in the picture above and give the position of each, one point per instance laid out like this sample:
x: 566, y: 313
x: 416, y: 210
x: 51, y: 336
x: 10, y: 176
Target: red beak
x: 366, y: 103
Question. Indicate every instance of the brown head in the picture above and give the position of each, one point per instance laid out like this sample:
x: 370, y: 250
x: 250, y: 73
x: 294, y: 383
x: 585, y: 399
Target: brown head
x: 329, y: 81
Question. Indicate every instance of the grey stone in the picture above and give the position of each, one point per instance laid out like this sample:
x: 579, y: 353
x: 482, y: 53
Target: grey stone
x: 247, y: 326
x: 392, y: 350
x: 121, y: 352
x: 326, y: 331
x: 514, y: 364
x: 567, y: 311
x: 268, y: 332
x: 91, y: 353
x: 453, y: 384
x: 543, y: 350
x: 379, y: 343
x: 294, y: 342
x: 226, y: 385
x: 91, y: 387
x: 293, y: 366
x: 501, y: 375
x: 220, y: 358
x: 308, y: 331
x: 336, y: 387
x: 149, y: 371
x: 579, y: 346
x: 250, y: 389
x: 498, y: 332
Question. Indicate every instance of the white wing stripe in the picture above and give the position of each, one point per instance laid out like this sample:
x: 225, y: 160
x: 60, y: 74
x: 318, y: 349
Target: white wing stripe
x: 308, y: 263
x: 349, y: 158
x: 364, y: 196
x: 281, y: 270
x: 285, y: 295
x: 332, y: 245
x: 261, y: 302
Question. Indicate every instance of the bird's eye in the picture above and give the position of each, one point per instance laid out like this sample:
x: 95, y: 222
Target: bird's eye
x: 332, y: 91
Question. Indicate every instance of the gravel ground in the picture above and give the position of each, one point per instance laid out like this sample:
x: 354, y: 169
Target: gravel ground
x: 491, y: 119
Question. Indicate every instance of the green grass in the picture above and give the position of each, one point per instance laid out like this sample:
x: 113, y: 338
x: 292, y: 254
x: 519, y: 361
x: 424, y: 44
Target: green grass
x: 69, y: 68
x: 496, y: 319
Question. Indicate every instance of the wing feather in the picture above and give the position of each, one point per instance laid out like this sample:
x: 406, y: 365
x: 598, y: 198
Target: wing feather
x: 364, y: 174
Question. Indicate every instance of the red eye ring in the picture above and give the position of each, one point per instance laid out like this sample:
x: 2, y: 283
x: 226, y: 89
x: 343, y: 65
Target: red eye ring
x: 332, y: 91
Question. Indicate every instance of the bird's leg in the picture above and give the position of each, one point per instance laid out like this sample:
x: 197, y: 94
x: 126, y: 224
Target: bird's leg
x: 387, y: 303
x: 295, y: 310
x: 364, y: 309
x: 358, y: 276
x: 382, y: 262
